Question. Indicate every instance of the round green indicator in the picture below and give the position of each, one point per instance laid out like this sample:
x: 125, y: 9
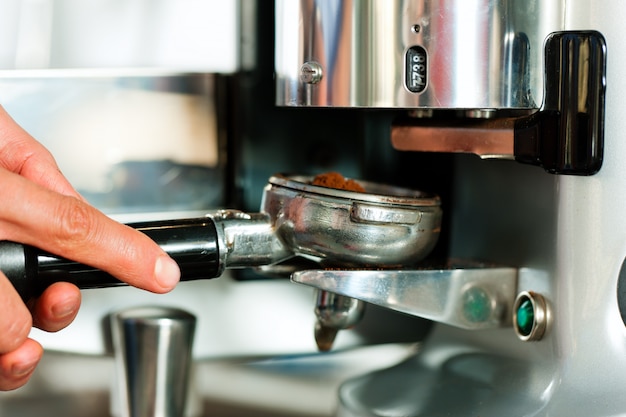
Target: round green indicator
x: 525, y: 317
x: 476, y: 305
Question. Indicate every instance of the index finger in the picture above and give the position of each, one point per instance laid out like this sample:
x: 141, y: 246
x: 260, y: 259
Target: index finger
x: 71, y: 228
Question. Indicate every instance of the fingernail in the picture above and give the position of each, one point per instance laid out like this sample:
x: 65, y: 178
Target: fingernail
x: 65, y: 308
x: 166, y: 272
x: 21, y: 369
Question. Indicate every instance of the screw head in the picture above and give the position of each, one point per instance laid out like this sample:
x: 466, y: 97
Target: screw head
x: 311, y: 73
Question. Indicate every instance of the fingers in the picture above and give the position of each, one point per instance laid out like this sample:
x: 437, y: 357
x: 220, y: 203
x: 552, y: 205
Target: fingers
x: 15, y: 320
x: 69, y: 227
x: 18, y: 354
x: 57, y: 307
x: 17, y: 366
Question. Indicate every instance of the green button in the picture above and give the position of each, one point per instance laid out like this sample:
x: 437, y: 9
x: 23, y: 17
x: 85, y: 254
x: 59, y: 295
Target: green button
x: 476, y: 305
x: 525, y: 317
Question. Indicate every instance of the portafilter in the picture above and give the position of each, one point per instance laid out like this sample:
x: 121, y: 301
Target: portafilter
x: 385, y: 226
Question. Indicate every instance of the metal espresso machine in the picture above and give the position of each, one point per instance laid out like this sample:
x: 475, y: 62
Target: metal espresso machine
x: 523, y: 98
x: 485, y: 236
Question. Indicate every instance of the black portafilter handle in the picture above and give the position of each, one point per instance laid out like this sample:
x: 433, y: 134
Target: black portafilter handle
x: 192, y: 243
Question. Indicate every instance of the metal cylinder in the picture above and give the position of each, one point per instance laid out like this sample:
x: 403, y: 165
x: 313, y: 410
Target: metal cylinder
x: 435, y: 54
x: 334, y: 312
x: 153, y: 353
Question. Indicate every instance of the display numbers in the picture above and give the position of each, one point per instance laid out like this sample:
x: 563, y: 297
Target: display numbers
x: 416, y: 69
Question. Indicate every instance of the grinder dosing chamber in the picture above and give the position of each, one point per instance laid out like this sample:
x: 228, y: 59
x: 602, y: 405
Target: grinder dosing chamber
x: 496, y: 78
x: 429, y: 54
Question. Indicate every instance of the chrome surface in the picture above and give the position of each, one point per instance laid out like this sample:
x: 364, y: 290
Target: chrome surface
x: 469, y: 298
x: 383, y: 226
x: 334, y: 312
x: 311, y: 73
x: 479, y: 54
x: 153, y: 351
x: 247, y: 239
x: 337, y: 311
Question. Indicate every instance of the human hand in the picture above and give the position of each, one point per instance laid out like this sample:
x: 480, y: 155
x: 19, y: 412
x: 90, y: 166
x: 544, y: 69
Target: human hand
x: 39, y: 207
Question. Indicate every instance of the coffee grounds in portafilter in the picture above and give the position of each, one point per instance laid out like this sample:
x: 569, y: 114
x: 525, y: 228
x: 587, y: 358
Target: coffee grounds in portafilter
x: 337, y: 181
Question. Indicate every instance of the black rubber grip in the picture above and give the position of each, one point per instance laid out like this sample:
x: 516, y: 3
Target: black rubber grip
x: 192, y: 243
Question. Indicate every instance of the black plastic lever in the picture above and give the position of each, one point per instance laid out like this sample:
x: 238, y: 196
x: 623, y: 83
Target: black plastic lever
x: 567, y: 135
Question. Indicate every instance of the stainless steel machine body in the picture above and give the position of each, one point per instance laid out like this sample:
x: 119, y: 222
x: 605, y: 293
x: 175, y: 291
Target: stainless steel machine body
x: 560, y: 349
x: 475, y: 55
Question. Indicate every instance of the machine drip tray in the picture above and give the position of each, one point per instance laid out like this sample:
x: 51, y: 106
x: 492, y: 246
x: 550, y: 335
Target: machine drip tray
x: 452, y: 376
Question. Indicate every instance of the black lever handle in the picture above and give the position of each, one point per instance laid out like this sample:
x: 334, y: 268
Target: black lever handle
x: 192, y: 243
x: 567, y: 135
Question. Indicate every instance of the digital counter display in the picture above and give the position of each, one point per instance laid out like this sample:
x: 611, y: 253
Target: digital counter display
x: 416, y: 69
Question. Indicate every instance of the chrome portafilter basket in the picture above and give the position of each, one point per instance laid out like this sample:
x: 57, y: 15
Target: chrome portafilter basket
x: 384, y: 227
x: 381, y: 227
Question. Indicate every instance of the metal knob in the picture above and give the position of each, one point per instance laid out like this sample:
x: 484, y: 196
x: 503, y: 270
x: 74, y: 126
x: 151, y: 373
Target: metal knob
x: 153, y: 354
